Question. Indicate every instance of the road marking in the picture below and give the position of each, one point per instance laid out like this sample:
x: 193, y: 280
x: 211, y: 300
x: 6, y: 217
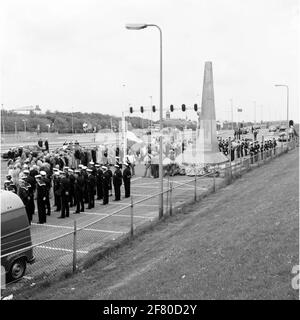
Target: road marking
x: 69, y: 227
x: 135, y: 179
x: 116, y: 215
x: 61, y: 249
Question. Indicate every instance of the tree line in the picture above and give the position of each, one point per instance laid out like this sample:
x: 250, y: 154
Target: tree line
x: 64, y: 122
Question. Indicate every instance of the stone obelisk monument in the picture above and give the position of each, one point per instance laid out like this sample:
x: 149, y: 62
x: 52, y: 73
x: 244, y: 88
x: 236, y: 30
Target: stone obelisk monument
x: 206, y: 150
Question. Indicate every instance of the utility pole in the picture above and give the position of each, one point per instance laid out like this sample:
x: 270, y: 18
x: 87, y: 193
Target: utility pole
x: 2, y: 118
x: 72, y: 122
x: 254, y: 112
x: 231, y: 114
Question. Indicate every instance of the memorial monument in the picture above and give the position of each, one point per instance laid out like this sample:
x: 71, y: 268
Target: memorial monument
x: 205, y: 150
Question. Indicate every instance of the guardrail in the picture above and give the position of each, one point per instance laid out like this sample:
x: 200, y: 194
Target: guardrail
x: 74, y: 243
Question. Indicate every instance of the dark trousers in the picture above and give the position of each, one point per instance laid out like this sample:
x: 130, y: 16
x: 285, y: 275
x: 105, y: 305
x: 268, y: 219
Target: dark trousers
x: 31, y: 206
x: 41, y: 210
x: 86, y: 195
x: 58, y: 203
x: 91, y: 200
x: 110, y: 188
x: 127, y: 188
x: 105, y: 195
x: 79, y: 202
x: 47, y: 202
x: 64, y: 206
x: 117, y: 188
x: 29, y: 215
x: 71, y: 198
x: 99, y: 191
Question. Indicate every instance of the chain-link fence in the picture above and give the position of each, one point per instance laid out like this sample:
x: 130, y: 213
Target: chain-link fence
x: 60, y: 252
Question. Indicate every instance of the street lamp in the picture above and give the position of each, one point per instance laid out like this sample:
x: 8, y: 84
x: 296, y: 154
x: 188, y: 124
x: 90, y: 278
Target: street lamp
x: 287, y: 101
x: 24, y: 120
x: 254, y: 102
x: 139, y: 26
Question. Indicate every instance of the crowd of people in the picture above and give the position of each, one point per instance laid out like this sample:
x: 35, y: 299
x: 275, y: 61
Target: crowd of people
x: 70, y: 175
x: 242, y: 148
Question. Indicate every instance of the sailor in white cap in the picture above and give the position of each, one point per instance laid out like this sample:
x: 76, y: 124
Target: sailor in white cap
x: 118, y: 162
x: 117, y: 181
x: 99, y: 187
x: 24, y: 195
x: 31, y: 183
x: 78, y: 191
x: 56, y: 189
x: 126, y: 179
x: 91, y: 185
x: 110, y: 180
x: 105, y: 185
x: 85, y: 179
x: 47, y: 181
x: 41, y: 198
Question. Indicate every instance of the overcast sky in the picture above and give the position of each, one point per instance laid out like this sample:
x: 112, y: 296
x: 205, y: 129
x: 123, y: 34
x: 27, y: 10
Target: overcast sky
x: 71, y: 54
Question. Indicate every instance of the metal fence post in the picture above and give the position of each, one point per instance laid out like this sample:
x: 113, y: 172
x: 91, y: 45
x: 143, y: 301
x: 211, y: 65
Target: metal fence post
x: 214, y: 175
x: 131, y: 216
x: 168, y: 194
x: 195, y: 191
x: 74, y: 247
x: 171, y: 206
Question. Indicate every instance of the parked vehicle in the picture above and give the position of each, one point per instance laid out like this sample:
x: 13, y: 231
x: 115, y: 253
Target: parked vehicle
x: 272, y: 129
x: 245, y: 130
x: 283, y: 136
x: 282, y: 129
x: 15, y: 236
x: 34, y: 149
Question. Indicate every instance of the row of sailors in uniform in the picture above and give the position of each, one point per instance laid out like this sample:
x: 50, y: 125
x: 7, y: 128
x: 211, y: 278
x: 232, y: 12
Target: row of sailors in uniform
x: 70, y: 188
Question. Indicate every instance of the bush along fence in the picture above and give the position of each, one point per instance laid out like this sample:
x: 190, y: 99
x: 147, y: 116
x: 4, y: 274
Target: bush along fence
x: 64, y: 253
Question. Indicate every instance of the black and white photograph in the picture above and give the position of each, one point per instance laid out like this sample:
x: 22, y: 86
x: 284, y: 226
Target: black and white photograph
x: 149, y: 152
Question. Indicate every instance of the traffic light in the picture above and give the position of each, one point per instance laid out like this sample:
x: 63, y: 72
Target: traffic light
x: 183, y: 107
x: 131, y: 110
x: 142, y: 109
x: 171, y: 108
x: 195, y: 107
x: 153, y: 108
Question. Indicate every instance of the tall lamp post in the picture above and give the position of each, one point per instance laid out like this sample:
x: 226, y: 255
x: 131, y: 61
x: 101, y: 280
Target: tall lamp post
x: 139, y: 26
x: 287, y: 101
x: 25, y: 120
x: 254, y: 102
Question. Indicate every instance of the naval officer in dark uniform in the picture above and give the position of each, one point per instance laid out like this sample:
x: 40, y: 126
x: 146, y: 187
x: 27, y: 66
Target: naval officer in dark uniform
x: 91, y: 188
x: 105, y: 183
x: 99, y: 174
x: 117, y: 182
x: 126, y: 179
x: 41, y: 198
x: 78, y: 191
